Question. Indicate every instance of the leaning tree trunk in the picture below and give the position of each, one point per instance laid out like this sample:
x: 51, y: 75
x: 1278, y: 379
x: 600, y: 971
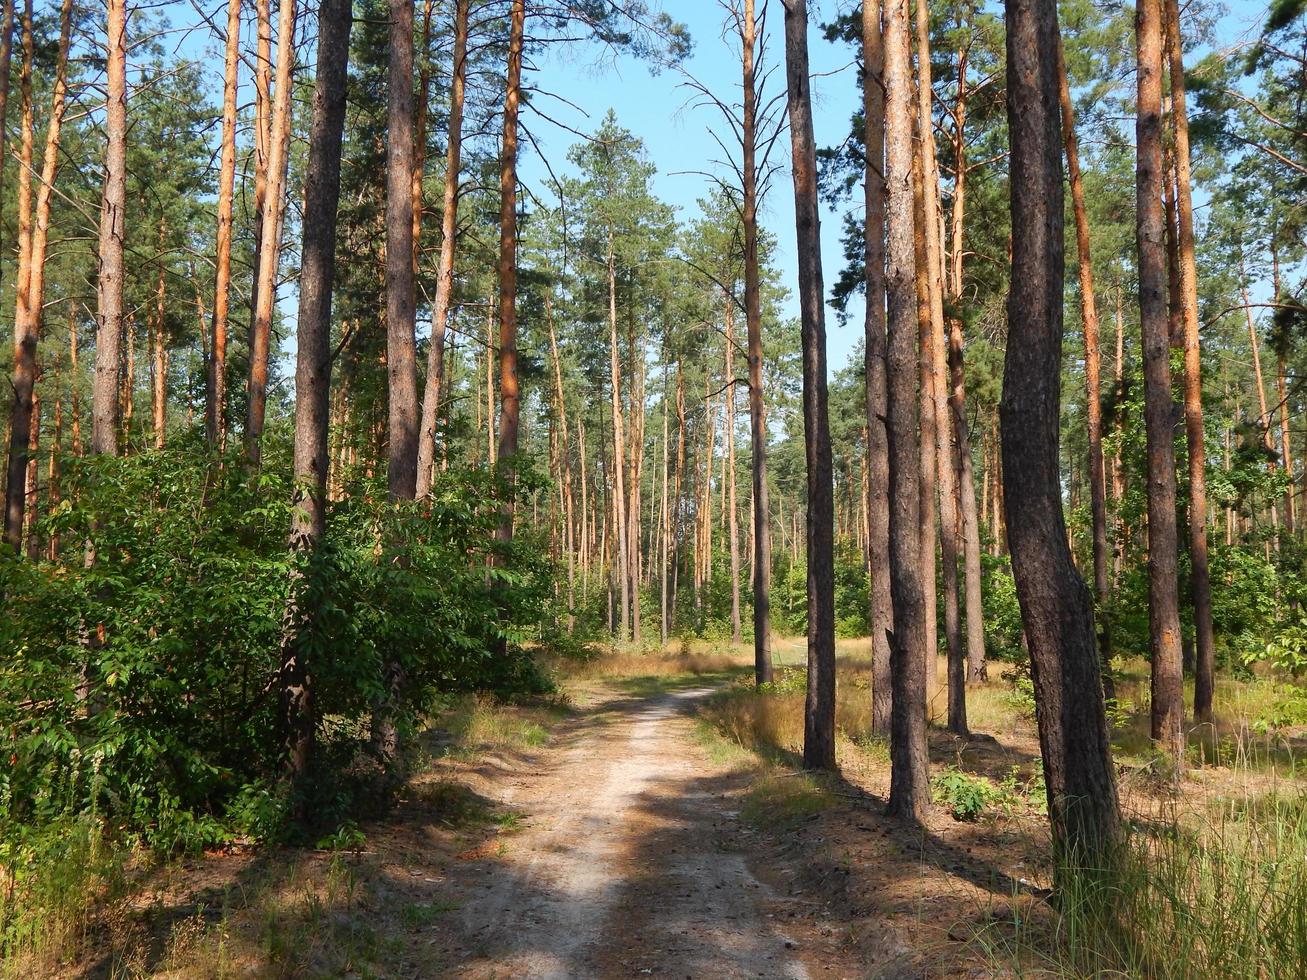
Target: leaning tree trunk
x: 909, y: 795
x: 313, y: 374
x: 1093, y: 388
x: 27, y: 317
x: 448, y: 244
x: 1055, y: 605
x: 216, y: 383
x: 762, y: 660
x: 819, y: 713
x: 878, y: 497
x: 269, y: 246
x: 1205, y: 642
x: 1163, y: 601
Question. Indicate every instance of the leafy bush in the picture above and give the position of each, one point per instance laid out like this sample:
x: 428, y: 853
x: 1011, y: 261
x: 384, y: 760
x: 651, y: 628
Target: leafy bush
x: 966, y: 796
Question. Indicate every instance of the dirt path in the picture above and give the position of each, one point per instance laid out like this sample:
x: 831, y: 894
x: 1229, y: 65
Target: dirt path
x: 630, y: 863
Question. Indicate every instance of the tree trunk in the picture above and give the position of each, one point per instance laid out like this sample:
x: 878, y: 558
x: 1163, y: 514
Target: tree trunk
x: 619, y: 449
x: 508, y: 384
x: 732, y: 524
x: 448, y: 244
x: 269, y: 235
x: 1163, y: 602
x: 819, y: 709
x: 1093, y: 361
x: 909, y: 795
x: 1055, y: 605
x: 1205, y: 643
x: 31, y: 276
x: 216, y: 385
x: 878, y: 496
x: 762, y: 657
x: 313, y: 371
x: 401, y: 365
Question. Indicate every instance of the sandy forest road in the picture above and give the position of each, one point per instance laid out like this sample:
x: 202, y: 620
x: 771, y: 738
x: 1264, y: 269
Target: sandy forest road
x: 631, y: 862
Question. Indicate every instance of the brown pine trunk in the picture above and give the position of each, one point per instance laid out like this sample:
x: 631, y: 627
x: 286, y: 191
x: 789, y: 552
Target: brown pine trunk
x: 448, y: 243
x: 269, y: 233
x: 564, y: 474
x: 31, y: 274
x: 732, y: 523
x: 1093, y: 384
x: 401, y: 363
x: 31, y: 478
x: 216, y: 385
x: 159, y: 355
x: 878, y: 465
x: 1205, y: 643
x: 6, y: 58
x: 619, y: 450
x: 909, y: 796
x: 819, y: 713
x: 262, y: 135
x: 1055, y: 605
x: 1163, y: 602
x: 313, y: 368
x: 509, y: 404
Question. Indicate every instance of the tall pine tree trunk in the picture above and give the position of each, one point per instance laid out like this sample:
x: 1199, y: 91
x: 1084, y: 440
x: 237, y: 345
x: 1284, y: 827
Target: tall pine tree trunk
x: 508, y: 383
x: 1055, y: 605
x: 1163, y: 601
x: 732, y: 523
x: 216, y: 383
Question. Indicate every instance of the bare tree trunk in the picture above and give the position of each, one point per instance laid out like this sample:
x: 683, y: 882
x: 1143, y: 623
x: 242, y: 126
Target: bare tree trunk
x: 619, y: 449
x: 1163, y: 602
x: 401, y: 365
x: 448, y: 244
x: 565, y: 468
x: 761, y: 551
x: 31, y: 280
x: 313, y: 371
x: 878, y: 464
x: 732, y: 524
x: 269, y: 234
x: 508, y: 384
x: 819, y: 710
x: 1055, y: 605
x: 31, y: 479
x: 909, y: 796
x: 6, y: 58
x: 216, y: 385
x: 1093, y: 361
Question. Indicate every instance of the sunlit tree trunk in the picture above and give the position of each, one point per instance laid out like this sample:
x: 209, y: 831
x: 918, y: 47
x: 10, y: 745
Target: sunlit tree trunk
x: 619, y: 450
x: 909, y: 770
x: 878, y: 466
x: 269, y: 234
x: 216, y: 390
x: 1205, y: 643
x: 508, y: 384
x: 448, y: 242
x: 1163, y: 601
x: 1055, y: 605
x: 732, y: 523
x: 1093, y: 363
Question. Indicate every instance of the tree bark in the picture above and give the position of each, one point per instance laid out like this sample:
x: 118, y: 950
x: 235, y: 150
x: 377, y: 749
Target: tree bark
x: 1204, y: 640
x: 216, y: 383
x: 732, y: 522
x: 1163, y: 602
x: 878, y: 463
x: 270, y: 235
x: 1093, y: 362
x: 31, y: 276
x: 762, y: 658
x: 819, y: 708
x: 401, y: 364
x: 313, y: 371
x: 448, y: 245
x: 909, y: 796
x: 619, y: 450
x: 1055, y: 605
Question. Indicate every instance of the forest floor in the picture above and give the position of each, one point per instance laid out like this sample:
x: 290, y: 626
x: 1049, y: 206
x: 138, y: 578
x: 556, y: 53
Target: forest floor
x: 650, y: 821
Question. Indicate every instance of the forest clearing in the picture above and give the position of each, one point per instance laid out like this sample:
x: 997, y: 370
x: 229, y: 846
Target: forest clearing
x: 602, y: 488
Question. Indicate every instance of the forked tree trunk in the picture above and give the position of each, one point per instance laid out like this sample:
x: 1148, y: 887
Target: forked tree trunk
x: 216, y: 384
x: 819, y: 708
x: 878, y: 465
x: 448, y: 243
x: 909, y: 796
x: 1163, y: 601
x: 762, y: 660
x: 1205, y: 642
x: 313, y: 371
x: 1093, y: 363
x: 1055, y: 605
x: 270, y: 235
x: 31, y: 275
